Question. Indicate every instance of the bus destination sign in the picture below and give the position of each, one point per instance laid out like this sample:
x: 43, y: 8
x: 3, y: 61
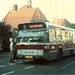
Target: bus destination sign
x: 31, y: 26
x: 36, y: 26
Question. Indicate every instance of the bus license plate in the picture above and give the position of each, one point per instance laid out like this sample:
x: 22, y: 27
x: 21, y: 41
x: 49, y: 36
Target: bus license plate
x: 28, y: 57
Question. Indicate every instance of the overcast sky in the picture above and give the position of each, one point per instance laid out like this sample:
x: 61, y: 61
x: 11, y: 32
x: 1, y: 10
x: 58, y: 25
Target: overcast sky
x: 50, y: 8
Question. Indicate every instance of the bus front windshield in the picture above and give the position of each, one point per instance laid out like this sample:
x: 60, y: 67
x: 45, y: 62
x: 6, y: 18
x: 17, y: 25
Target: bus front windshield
x: 30, y: 36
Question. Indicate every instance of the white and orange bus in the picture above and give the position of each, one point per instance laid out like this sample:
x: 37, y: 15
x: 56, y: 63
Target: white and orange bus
x: 42, y: 40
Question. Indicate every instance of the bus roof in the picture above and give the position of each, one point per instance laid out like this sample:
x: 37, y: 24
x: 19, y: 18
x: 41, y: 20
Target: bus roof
x: 55, y: 25
x: 48, y: 24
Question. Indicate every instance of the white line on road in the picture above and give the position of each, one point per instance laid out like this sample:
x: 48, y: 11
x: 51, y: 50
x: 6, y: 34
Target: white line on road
x: 2, y: 65
x: 8, y: 73
x: 29, y: 67
x: 69, y: 64
x: 62, y: 67
x: 11, y: 63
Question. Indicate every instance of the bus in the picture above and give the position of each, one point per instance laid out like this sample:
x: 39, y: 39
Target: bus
x: 42, y: 40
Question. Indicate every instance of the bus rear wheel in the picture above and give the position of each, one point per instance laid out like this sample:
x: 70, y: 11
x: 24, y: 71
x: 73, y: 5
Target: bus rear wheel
x: 59, y: 54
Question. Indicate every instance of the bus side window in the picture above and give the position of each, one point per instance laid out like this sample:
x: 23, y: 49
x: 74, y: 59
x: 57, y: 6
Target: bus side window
x: 67, y: 34
x: 63, y: 34
x: 70, y: 35
x: 73, y: 35
x: 52, y: 35
x: 58, y: 33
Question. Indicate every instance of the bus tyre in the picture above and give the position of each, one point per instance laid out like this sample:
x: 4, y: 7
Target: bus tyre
x: 59, y: 55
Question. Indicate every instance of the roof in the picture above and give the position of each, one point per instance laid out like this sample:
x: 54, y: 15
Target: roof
x: 24, y: 14
x: 62, y: 22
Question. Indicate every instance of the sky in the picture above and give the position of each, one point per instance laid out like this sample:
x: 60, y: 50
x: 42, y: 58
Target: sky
x: 50, y: 8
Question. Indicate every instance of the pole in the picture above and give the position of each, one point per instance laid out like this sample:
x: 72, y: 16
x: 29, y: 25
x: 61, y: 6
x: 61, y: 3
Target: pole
x: 55, y: 11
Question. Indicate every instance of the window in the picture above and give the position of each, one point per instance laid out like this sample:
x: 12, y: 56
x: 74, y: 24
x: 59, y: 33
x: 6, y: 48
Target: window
x: 46, y: 36
x: 63, y: 34
x: 52, y: 35
x: 58, y: 33
x: 70, y: 35
x: 33, y: 36
x: 19, y: 39
x: 74, y: 35
x: 66, y: 34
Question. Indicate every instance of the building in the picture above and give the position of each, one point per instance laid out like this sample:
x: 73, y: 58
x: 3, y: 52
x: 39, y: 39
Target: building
x: 62, y: 22
x: 24, y: 14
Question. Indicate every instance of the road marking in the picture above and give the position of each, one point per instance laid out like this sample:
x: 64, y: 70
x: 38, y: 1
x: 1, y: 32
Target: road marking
x: 8, y: 73
x: 2, y: 65
x: 69, y: 64
x: 11, y: 63
x: 29, y: 67
x: 62, y: 67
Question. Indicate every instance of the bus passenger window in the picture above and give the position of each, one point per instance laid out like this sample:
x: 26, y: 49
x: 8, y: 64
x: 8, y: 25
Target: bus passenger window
x: 52, y: 35
x: 58, y: 33
x: 63, y: 34
x: 73, y: 35
x: 67, y: 34
x: 70, y: 35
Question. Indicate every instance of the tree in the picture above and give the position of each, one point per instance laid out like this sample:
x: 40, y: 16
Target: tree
x: 5, y: 33
x: 5, y: 29
x: 72, y: 26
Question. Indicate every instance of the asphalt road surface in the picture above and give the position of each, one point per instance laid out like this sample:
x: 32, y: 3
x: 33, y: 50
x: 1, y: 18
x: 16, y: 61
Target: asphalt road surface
x: 65, y: 66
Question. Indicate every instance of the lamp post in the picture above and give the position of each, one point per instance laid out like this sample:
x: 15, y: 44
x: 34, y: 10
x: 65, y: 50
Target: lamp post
x: 55, y: 11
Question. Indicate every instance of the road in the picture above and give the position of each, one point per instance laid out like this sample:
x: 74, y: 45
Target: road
x: 65, y: 66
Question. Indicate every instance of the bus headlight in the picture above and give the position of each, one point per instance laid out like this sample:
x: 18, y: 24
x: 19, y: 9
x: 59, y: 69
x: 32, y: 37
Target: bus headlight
x: 40, y: 52
x: 45, y: 47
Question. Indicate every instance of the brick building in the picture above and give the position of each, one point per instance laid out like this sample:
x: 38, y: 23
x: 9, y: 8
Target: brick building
x: 24, y: 14
x: 62, y: 22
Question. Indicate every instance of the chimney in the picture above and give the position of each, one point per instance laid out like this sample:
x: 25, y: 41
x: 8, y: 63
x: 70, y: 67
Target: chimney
x: 29, y: 3
x: 15, y: 7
